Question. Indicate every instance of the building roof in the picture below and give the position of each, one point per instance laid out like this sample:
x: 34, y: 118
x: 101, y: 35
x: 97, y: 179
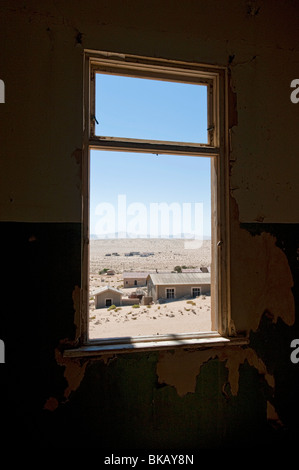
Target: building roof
x: 180, y: 278
x: 140, y: 274
x: 107, y: 288
x: 136, y: 274
x: 191, y: 270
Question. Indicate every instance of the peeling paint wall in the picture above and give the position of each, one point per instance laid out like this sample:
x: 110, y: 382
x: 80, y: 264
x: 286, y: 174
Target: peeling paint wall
x: 173, y: 370
x: 261, y: 275
x: 216, y: 397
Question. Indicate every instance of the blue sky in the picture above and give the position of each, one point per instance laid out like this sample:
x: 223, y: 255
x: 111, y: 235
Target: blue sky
x: 149, y: 109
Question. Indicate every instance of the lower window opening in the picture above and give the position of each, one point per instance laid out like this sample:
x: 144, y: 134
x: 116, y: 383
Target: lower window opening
x: 150, y: 245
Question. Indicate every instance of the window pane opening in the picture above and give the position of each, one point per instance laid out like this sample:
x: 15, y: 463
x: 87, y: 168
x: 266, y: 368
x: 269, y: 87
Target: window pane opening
x: 139, y: 108
x: 150, y: 245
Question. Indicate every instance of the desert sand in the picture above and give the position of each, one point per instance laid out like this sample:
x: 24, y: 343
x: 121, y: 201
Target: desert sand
x: 171, y: 317
x: 168, y: 253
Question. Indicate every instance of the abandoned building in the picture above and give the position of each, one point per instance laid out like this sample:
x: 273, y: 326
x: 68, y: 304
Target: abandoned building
x: 237, y: 388
x: 135, y: 279
x: 110, y: 272
x: 107, y: 296
x: 202, y: 269
x: 178, y: 285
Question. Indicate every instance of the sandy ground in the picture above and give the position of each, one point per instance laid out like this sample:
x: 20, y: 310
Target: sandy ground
x: 172, y: 317
x: 169, y: 318
x: 168, y: 253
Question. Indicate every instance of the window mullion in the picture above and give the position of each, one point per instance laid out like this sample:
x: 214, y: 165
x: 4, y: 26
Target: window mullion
x: 154, y: 147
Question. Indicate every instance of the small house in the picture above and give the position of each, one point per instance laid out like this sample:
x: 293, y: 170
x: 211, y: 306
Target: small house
x: 178, y: 285
x: 107, y: 296
x: 135, y: 279
x: 110, y: 272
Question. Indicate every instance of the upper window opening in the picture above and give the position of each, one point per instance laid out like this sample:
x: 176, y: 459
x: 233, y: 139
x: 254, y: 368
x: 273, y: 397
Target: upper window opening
x: 139, y: 108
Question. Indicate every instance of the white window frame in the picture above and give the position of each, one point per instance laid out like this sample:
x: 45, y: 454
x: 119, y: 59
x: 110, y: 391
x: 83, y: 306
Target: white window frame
x: 217, y: 148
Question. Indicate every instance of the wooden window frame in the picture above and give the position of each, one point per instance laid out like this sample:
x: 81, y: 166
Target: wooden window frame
x: 217, y: 148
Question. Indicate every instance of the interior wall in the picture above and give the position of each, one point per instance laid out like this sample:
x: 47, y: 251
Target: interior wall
x: 232, y: 396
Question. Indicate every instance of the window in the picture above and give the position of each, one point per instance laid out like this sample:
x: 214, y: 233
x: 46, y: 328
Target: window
x: 195, y: 291
x: 137, y: 142
x: 170, y: 293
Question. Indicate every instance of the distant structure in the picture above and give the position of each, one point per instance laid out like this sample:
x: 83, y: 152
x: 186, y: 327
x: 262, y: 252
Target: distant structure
x: 205, y: 269
x: 107, y: 296
x: 202, y: 269
x: 110, y: 272
x: 178, y: 285
x: 138, y: 253
x: 135, y: 279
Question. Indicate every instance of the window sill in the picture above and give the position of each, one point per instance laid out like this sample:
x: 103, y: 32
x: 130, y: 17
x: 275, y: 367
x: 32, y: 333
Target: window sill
x: 149, y: 343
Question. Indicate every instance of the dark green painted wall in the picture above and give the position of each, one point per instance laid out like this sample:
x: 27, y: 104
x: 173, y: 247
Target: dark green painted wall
x: 121, y: 404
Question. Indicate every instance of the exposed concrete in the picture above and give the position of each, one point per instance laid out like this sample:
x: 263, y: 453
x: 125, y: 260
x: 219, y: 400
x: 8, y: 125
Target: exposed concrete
x: 261, y: 278
x: 74, y: 372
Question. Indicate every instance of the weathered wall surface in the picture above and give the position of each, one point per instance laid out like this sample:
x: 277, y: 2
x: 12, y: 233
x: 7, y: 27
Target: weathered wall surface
x: 218, y: 397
